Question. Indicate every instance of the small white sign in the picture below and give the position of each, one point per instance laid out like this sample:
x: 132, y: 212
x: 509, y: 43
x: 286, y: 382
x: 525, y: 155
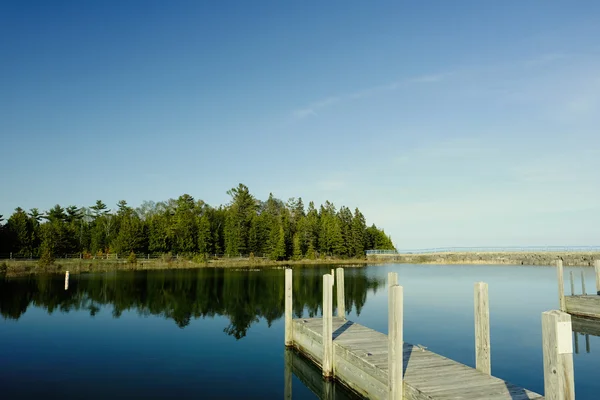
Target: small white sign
x: 565, y: 338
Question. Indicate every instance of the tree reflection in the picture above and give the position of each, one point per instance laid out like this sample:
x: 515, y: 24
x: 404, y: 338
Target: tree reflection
x: 244, y: 297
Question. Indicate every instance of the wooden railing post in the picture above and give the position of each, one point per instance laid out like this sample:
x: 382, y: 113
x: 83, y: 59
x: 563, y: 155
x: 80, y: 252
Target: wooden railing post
x: 395, y: 343
x: 557, y: 341
x: 289, y: 335
x: 561, y: 285
x: 341, y: 300
x: 572, y: 281
x: 482, y: 329
x: 597, y: 268
x: 327, y: 327
x: 66, y: 280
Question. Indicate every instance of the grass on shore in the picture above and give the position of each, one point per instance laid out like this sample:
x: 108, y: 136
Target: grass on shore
x: 26, y: 267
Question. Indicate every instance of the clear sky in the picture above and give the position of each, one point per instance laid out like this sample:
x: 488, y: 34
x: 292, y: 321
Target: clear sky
x: 448, y: 123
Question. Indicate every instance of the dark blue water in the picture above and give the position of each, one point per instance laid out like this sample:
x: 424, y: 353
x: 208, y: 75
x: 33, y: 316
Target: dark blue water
x: 218, y: 333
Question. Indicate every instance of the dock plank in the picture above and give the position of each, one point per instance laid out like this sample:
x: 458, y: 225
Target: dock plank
x: 361, y: 353
x: 587, y: 306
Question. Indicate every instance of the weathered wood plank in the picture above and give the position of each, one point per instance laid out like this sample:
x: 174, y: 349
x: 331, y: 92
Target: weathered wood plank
x: 587, y: 306
x: 586, y: 326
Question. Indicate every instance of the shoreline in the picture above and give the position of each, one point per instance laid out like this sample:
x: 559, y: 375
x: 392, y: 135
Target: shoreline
x: 570, y: 259
x: 15, y: 268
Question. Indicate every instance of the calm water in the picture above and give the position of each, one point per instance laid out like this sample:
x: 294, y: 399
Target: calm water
x: 218, y: 333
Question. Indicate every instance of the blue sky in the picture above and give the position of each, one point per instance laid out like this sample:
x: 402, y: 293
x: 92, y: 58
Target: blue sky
x: 462, y: 123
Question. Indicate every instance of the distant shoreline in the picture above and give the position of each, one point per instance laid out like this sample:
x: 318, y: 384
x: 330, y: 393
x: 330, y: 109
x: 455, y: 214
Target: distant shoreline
x: 579, y: 259
x: 27, y: 267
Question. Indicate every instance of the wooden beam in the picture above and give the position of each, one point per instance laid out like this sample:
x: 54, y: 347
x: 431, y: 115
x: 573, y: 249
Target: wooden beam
x: 395, y: 343
x: 327, y: 327
x: 557, y: 341
x: 289, y: 335
x: 482, y: 329
x: 341, y: 300
x: 561, y: 285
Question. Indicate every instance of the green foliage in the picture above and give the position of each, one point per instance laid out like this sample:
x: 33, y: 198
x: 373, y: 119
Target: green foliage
x: 187, y: 227
x: 132, y: 258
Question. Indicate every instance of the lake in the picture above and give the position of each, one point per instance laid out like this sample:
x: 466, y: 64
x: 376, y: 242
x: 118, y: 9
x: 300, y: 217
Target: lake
x: 219, y: 333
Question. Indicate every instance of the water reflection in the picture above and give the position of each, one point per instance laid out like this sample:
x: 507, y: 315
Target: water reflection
x: 584, y: 327
x: 243, y: 296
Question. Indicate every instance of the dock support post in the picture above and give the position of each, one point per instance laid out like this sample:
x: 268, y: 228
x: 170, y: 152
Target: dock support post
x: 583, y: 283
x: 482, y: 329
x: 572, y: 283
x: 576, y: 337
x: 395, y: 343
x: 341, y: 300
x: 327, y: 327
x: 66, y: 280
x: 392, y: 279
x: 561, y: 285
x: 289, y: 338
x: 597, y: 268
x: 557, y: 342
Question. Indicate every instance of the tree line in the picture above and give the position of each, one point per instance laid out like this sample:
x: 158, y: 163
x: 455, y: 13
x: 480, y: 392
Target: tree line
x: 245, y: 226
x: 243, y: 297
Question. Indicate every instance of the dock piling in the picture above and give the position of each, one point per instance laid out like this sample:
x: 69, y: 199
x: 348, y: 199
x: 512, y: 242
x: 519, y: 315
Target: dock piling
x: 572, y: 283
x: 395, y: 342
x: 327, y: 326
x: 482, y: 329
x: 583, y: 292
x: 561, y: 285
x: 392, y: 279
x: 66, y: 280
x: 341, y: 300
x: 597, y: 268
x: 557, y: 342
x: 289, y: 340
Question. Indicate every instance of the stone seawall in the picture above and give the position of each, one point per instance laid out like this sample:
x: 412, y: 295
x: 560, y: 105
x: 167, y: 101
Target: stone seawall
x: 516, y: 258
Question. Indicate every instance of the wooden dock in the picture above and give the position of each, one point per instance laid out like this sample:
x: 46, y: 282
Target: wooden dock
x: 375, y: 366
x: 584, y: 304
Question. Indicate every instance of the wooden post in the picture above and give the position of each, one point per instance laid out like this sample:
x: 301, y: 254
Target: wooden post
x: 392, y: 279
x: 395, y: 343
x: 572, y: 283
x: 583, y: 283
x: 289, y: 336
x: 341, y: 301
x: 66, y: 280
x: 597, y: 268
x: 557, y: 341
x: 332, y: 275
x: 561, y: 285
x: 482, y: 329
x: 287, y: 359
x: 327, y: 327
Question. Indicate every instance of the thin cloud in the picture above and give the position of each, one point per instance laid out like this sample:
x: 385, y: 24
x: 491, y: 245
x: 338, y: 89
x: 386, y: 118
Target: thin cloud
x: 313, y: 108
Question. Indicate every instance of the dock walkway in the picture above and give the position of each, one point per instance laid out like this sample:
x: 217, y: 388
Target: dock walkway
x: 375, y: 366
x: 361, y: 362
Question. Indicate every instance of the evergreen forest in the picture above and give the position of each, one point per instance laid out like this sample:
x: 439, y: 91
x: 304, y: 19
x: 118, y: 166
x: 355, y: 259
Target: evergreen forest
x: 245, y: 226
